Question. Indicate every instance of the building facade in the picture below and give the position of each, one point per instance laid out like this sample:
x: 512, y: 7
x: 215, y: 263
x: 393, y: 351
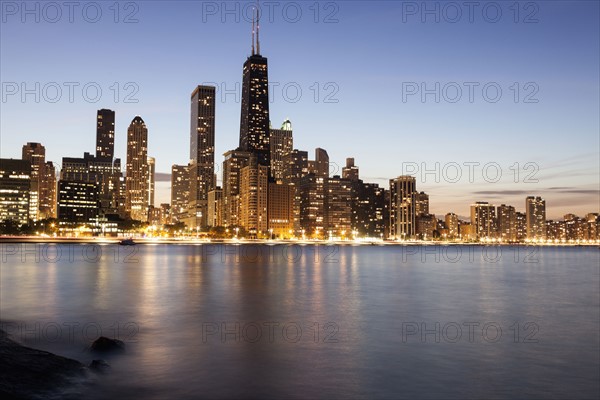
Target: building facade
x: 402, y: 207
x: 483, y: 220
x: 180, y: 192
x: 281, y: 144
x: 136, y: 195
x: 535, y: 213
x: 105, y: 134
x: 15, y: 187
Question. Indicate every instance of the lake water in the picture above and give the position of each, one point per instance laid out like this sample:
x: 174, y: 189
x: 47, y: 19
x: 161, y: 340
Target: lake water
x: 283, y: 321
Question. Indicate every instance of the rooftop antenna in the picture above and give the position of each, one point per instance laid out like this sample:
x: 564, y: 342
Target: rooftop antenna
x: 253, y: 31
x: 257, y: 28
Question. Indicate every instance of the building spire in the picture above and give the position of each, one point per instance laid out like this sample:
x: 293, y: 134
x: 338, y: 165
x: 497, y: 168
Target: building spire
x: 252, y: 31
x: 257, y: 28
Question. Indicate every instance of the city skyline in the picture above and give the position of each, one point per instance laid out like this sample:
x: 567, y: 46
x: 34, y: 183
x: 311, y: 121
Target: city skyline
x: 561, y: 183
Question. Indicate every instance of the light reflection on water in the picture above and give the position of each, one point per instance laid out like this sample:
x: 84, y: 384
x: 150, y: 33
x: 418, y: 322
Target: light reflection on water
x: 352, y: 304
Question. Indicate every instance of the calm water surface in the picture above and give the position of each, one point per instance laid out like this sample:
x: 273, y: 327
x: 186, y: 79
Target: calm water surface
x: 226, y: 321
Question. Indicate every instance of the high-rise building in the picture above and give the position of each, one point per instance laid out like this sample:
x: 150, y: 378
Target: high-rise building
x: 313, y: 206
x: 280, y: 210
x: 593, y: 223
x: 521, y: 226
x: 314, y: 197
x: 105, y: 134
x: 202, y: 154
x: 215, y: 207
x: 402, y: 207
x: 339, y: 202
x: 136, y: 195
x: 35, y: 154
x: 155, y: 216
x: 234, y: 161
x: 104, y: 173
x: 151, y: 184
x: 253, y: 198
x: 369, y: 211
x: 535, y: 211
x: 421, y: 204
x: 507, y: 223
x: 15, y: 187
x: 77, y: 201
x: 574, y: 227
x: 321, y: 165
x: 556, y: 230
x: 281, y: 143
x: 426, y: 226
x: 350, y: 171
x: 108, y: 169
x: 47, y: 198
x: 295, y: 167
x: 254, y: 120
x: 166, y: 213
x: 180, y: 192
x: 483, y: 220
x: 467, y: 231
x: 451, y: 222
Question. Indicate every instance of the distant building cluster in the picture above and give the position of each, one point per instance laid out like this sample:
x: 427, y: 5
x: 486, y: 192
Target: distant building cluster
x: 269, y: 188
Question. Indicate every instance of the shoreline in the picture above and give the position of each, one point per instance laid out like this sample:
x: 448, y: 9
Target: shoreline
x: 196, y: 242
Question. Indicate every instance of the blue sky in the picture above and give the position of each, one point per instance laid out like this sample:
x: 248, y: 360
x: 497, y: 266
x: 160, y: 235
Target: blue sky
x: 364, y: 55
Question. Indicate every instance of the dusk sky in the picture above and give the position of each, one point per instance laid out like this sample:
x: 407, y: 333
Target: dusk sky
x: 365, y: 58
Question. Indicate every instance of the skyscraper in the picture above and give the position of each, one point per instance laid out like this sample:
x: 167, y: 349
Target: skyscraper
x: 339, y: 203
x: 47, y: 197
x: 234, y: 161
x: 368, y: 209
x: 521, y: 225
x: 422, y: 204
x: 77, y: 201
x: 104, y: 173
x: 402, y: 207
x: 136, y: 196
x: 350, y: 171
x: 105, y: 134
x: 451, y: 222
x: 535, y: 212
x: 35, y: 154
x: 254, y: 120
x: 15, y: 187
x: 314, y: 196
x: 483, y: 220
x: 202, y: 154
x: 253, y: 197
x: 280, y: 210
x: 281, y: 143
x: 180, y: 192
x: 215, y: 207
x: 295, y: 167
x: 151, y: 173
x: 507, y: 223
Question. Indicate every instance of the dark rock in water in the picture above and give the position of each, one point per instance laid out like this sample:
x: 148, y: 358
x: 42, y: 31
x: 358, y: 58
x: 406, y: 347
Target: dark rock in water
x: 31, y: 373
x: 106, y: 345
x: 99, y: 366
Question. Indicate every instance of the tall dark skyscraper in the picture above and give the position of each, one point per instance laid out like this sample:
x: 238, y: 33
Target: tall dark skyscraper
x: 202, y: 153
x: 105, y: 134
x: 254, y: 121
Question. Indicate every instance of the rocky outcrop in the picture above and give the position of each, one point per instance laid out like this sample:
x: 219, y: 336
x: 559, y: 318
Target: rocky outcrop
x: 107, y: 345
x: 31, y: 373
x: 99, y: 366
